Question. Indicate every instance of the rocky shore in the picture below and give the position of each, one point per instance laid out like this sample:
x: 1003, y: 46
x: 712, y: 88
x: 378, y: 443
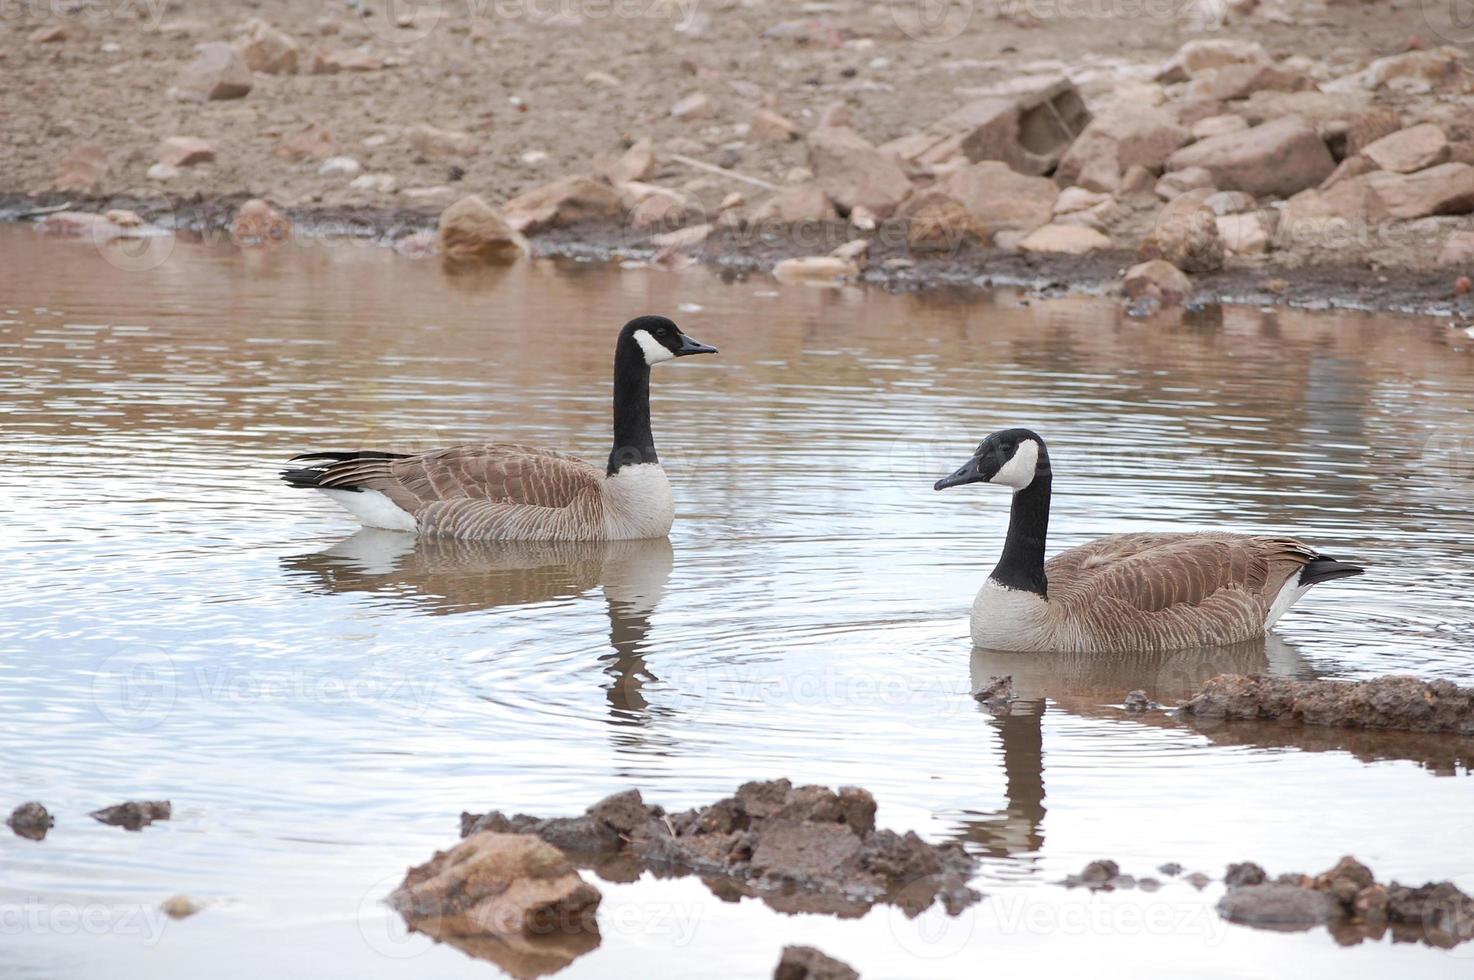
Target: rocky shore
x: 1261, y: 152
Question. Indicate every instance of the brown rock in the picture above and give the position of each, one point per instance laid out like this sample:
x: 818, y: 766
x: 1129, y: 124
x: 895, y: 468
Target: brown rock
x: 816, y: 268
x: 1276, y: 906
x: 314, y: 142
x: 767, y: 126
x: 135, y: 814
x: 180, y: 907
x: 1001, y: 199
x: 635, y: 164
x: 82, y: 169
x: 1348, y: 168
x: 1241, y: 81
x: 1445, y: 189
x: 511, y: 887
x: 566, y: 201
x: 799, y: 203
x: 54, y: 34
x: 694, y: 106
x: 1410, y: 72
x: 30, y: 820
x: 1177, y: 182
x: 807, y: 963
x: 1064, y: 239
x: 1278, y: 157
x: 331, y: 61
x: 1186, y: 235
x: 266, y: 49
x: 1243, y: 234
x: 937, y: 222
x: 855, y: 174
x: 1159, y: 280
x: 1028, y: 126
x: 1073, y: 199
x: 1118, y: 140
x: 433, y: 143
x: 652, y: 208
x: 473, y: 231
x: 218, y: 72
x: 1406, y: 150
x: 1394, y: 702
x: 258, y: 223
x: 185, y: 151
x: 1211, y: 53
x: 1346, y: 213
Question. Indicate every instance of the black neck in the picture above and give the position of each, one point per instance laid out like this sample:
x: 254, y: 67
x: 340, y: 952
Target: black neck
x: 1022, y: 564
x: 633, y: 443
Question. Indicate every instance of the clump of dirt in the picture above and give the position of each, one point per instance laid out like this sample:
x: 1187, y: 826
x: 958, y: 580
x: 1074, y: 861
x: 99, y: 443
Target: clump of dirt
x: 1398, y: 702
x: 1106, y: 876
x: 804, y: 848
x: 30, y: 820
x: 1349, y: 901
x: 996, y: 694
x: 135, y: 814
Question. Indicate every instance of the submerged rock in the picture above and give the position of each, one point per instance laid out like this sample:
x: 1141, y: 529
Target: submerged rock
x: 1271, y: 905
x: 30, y: 820
x: 180, y: 907
x: 804, y: 848
x: 135, y: 814
x: 1398, y: 702
x: 807, y: 963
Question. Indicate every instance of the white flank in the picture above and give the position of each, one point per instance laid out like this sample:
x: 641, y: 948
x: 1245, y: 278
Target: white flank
x: 1289, y: 594
x: 638, y: 503
x: 1008, y: 619
x: 655, y: 352
x: 373, y: 509
x: 1019, y: 471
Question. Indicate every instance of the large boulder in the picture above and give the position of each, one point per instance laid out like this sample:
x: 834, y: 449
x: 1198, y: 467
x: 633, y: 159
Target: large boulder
x: 1117, y: 140
x: 217, y: 72
x: 473, y: 231
x: 1279, y: 157
x: 1406, y: 150
x: 566, y: 201
x: 1186, y: 235
x: 1028, y: 125
x: 1000, y: 198
x: 855, y: 174
x: 1445, y: 189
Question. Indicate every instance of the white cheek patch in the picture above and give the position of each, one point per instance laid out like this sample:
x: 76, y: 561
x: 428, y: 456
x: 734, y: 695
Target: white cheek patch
x: 655, y: 352
x: 1019, y: 471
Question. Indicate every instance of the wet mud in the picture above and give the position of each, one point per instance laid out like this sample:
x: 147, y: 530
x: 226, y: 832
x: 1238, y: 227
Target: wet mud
x: 1397, y: 703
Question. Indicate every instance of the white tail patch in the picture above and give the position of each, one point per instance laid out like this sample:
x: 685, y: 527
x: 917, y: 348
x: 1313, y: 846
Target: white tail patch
x: 1018, y: 472
x: 374, y: 509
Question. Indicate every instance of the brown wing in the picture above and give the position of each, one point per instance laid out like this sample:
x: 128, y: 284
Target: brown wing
x: 1156, y: 572
x: 500, y: 473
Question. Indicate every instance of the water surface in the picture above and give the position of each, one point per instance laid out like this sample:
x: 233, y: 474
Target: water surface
x: 321, y: 705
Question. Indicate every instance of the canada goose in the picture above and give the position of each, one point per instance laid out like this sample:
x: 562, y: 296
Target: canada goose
x: 1126, y: 592
x: 507, y: 492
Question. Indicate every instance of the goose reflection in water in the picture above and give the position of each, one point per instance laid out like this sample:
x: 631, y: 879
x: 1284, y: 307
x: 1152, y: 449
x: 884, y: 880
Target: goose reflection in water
x: 1087, y: 685
x: 446, y: 576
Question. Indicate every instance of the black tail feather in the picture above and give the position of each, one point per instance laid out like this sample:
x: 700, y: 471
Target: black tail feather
x: 310, y: 476
x: 1327, y: 569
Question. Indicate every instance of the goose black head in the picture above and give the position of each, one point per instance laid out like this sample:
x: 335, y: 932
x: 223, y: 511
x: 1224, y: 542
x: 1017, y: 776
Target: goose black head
x: 659, y: 339
x: 1012, y: 458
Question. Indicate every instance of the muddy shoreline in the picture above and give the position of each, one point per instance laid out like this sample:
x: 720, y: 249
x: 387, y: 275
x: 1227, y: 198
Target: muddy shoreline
x: 740, y: 254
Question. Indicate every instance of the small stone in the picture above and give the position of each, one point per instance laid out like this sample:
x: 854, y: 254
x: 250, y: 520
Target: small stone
x: 180, y: 907
x: 312, y: 143
x: 185, y: 151
x: 1185, y: 234
x: 815, y: 268
x: 218, y: 72
x: 796, y: 204
x: 1065, y: 239
x: 374, y: 183
x: 258, y: 223
x: 1168, y: 285
x: 694, y: 106
x: 30, y: 820
x: 563, y: 202
x: 1177, y: 182
x: 266, y: 49
x: 135, y: 814
x: 1246, y: 873
x: 636, y: 163
x: 162, y: 172
x: 937, y: 222
x: 863, y: 218
x: 732, y: 200
x: 339, y: 167
x: 855, y: 251
x: 767, y: 126
x: 1171, y: 869
x: 331, y: 61
x: 835, y: 114
x: 1137, y: 701
x: 432, y: 142
x: 807, y: 963
x: 473, y: 231
x: 55, y: 34
x: 602, y: 78
x: 1073, y: 199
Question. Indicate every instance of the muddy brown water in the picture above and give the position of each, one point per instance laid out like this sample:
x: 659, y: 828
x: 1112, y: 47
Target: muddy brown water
x: 321, y: 705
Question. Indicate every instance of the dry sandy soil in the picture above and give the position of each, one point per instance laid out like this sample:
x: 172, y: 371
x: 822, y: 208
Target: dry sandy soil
x: 516, y: 75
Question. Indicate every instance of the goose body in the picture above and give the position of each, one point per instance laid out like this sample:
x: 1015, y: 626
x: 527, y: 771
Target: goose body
x: 512, y: 492
x: 1125, y: 592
